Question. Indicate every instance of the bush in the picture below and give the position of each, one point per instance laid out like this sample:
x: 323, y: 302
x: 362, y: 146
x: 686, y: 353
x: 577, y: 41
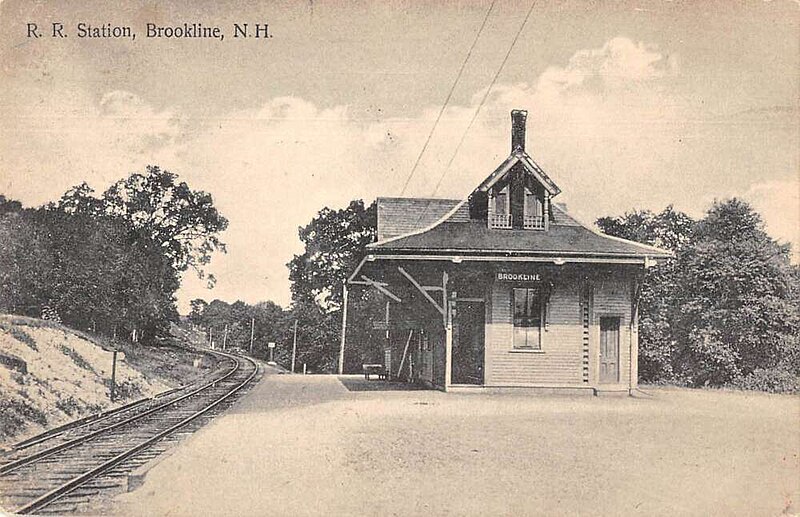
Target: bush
x: 77, y: 358
x: 773, y: 380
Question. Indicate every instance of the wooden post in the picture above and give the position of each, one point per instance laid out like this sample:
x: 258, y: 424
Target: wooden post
x: 448, y: 343
x: 252, y: 333
x: 344, y: 328
x: 225, y: 338
x: 294, y: 348
x: 211, y: 337
x: 113, y: 375
x: 633, y: 335
x: 304, y: 368
x: 388, y: 346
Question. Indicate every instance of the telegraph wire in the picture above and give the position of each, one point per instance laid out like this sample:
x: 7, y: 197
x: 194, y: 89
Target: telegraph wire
x: 483, y: 100
x: 477, y: 111
x: 447, y: 99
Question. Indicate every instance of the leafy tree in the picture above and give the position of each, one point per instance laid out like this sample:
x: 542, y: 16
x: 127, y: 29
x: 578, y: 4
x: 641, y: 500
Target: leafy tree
x: 335, y: 242
x: 9, y: 206
x: 183, y: 222
x: 739, y: 306
x: 110, y: 264
x: 726, y: 309
x: 267, y: 319
x: 80, y: 200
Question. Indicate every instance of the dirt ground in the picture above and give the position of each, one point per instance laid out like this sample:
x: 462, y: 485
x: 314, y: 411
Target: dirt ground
x: 69, y: 375
x: 313, y: 446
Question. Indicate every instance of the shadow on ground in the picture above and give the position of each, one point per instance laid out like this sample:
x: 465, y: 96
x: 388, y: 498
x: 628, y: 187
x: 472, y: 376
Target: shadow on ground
x: 362, y: 384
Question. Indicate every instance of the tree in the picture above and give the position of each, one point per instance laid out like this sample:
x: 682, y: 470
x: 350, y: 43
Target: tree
x: 183, y: 222
x: 110, y: 264
x: 739, y: 307
x: 80, y: 200
x: 335, y: 242
x: 726, y: 309
x: 268, y: 321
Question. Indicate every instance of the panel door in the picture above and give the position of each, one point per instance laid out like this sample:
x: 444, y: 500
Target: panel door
x: 609, y: 349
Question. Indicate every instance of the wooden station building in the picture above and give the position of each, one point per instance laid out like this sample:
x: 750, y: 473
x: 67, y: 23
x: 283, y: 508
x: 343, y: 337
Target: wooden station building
x: 505, y: 289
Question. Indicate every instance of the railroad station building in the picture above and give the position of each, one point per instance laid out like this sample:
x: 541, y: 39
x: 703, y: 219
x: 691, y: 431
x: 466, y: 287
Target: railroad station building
x: 504, y: 289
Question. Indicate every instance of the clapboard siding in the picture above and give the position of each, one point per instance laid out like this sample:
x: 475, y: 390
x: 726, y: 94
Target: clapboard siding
x: 612, y: 297
x: 560, y: 360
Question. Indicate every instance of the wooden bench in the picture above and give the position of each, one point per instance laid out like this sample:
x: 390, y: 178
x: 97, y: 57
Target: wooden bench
x: 375, y: 369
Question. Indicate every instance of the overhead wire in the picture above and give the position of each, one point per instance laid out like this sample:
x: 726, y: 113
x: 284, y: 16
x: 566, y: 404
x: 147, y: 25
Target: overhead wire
x: 483, y: 99
x: 477, y: 111
x: 449, y: 96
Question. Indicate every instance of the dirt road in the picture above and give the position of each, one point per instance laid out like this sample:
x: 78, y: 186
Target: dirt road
x: 312, y: 446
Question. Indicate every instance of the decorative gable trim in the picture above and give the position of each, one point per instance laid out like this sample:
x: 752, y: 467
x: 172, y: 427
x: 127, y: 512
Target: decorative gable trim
x: 520, y: 156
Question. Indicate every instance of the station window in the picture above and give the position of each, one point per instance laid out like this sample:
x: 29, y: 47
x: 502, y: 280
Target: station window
x: 528, y: 309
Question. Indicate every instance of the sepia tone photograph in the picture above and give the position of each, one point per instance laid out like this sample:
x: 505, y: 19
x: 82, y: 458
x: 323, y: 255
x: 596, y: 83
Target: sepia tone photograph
x: 404, y: 257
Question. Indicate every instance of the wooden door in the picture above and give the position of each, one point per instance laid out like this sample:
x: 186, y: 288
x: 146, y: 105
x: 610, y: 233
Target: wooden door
x: 609, y: 349
x: 468, y: 343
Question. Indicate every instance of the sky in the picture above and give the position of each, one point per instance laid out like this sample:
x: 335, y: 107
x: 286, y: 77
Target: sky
x: 632, y: 105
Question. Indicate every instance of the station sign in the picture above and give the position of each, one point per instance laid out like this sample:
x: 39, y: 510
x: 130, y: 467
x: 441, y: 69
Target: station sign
x: 271, y: 344
x: 518, y: 278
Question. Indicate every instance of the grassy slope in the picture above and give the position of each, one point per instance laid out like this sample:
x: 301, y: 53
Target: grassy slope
x: 69, y: 374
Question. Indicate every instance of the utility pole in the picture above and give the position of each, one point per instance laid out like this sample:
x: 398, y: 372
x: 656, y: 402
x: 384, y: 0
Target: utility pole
x: 294, y: 345
x: 225, y: 338
x: 252, y: 333
x: 344, y: 328
x: 211, y: 337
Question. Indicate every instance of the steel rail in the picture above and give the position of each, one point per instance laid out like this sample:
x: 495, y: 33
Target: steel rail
x: 69, y: 486
x: 88, y: 420
x: 45, y: 453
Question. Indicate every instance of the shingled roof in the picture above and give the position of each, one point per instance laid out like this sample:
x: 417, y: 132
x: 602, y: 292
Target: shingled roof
x: 565, y: 237
x: 401, y: 215
x: 450, y: 227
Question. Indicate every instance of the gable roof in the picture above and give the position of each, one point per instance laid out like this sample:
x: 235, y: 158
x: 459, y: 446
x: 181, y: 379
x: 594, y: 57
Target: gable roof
x: 455, y: 234
x: 475, y: 237
x: 399, y: 216
x: 520, y: 156
x: 443, y: 226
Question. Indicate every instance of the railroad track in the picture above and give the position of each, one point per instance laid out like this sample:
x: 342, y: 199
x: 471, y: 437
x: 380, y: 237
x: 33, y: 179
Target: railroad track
x: 62, y: 469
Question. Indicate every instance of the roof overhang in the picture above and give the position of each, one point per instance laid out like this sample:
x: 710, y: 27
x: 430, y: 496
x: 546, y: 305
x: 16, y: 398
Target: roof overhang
x: 558, y: 259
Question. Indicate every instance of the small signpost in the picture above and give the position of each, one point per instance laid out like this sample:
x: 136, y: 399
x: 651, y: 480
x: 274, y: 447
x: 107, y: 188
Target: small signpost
x: 271, y: 346
x: 113, y: 375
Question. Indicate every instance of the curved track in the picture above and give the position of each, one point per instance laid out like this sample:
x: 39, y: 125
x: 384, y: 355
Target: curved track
x: 65, y: 467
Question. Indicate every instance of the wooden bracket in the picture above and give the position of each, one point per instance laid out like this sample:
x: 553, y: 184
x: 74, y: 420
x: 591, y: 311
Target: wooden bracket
x: 380, y: 287
x: 421, y: 290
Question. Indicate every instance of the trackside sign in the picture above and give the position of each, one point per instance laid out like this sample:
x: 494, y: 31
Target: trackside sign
x: 503, y: 276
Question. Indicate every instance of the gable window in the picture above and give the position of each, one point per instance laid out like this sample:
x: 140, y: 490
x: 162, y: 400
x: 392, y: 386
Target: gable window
x: 500, y: 209
x: 533, y: 212
x: 528, y: 308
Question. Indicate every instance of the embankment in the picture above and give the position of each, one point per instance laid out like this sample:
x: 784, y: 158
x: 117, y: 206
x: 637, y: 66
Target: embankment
x: 50, y: 374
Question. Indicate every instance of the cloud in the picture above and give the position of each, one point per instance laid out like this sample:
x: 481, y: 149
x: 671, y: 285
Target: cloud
x: 606, y: 124
x: 619, y: 63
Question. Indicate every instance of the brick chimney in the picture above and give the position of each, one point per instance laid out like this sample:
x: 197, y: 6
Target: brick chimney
x: 518, y: 129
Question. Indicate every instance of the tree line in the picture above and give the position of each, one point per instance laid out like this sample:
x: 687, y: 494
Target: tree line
x: 112, y: 263
x: 723, y: 311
